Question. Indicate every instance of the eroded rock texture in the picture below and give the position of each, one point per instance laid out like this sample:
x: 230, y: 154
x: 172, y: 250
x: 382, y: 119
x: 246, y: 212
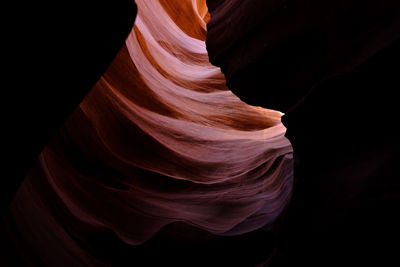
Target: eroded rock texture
x: 159, y: 164
x: 332, y: 68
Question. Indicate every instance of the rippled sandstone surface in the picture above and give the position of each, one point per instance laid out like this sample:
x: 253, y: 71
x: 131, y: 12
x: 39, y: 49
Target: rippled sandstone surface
x: 160, y: 163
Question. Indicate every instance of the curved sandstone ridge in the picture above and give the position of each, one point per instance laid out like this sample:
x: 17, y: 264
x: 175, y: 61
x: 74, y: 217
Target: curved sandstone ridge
x: 158, y: 140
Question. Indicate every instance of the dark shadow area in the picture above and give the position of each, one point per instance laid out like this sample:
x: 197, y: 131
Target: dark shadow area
x: 333, y: 68
x: 54, y: 53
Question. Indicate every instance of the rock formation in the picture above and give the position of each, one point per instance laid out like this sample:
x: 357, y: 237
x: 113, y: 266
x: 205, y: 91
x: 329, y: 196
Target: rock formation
x: 159, y: 164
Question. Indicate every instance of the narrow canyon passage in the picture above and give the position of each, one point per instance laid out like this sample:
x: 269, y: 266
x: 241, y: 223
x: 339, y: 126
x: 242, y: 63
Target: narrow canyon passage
x: 223, y: 133
x: 158, y: 143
